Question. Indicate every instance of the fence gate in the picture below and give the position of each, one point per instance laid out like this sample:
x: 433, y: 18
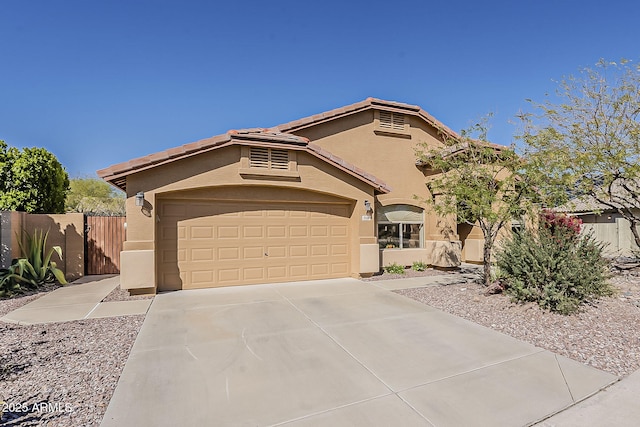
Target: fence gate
x: 104, y: 240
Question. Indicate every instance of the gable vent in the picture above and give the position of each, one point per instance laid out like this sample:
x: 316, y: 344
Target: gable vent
x: 389, y: 120
x: 279, y: 159
x: 268, y: 158
x: 259, y: 157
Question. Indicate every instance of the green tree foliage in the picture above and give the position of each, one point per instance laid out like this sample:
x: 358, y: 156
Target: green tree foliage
x: 553, y: 265
x: 96, y: 197
x: 482, y: 184
x: 588, y: 143
x: 31, y: 180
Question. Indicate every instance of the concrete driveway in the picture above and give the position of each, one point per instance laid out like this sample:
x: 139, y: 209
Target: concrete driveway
x: 335, y: 352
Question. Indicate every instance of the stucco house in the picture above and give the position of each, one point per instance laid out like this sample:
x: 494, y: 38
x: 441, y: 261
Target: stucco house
x: 333, y: 195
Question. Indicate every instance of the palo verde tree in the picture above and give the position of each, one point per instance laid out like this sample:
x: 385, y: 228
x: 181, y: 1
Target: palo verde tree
x: 31, y: 180
x: 94, y: 196
x: 482, y: 184
x: 588, y: 143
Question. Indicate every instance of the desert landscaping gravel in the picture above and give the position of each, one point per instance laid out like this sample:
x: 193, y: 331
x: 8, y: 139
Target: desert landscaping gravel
x: 61, y: 374
x: 64, y: 374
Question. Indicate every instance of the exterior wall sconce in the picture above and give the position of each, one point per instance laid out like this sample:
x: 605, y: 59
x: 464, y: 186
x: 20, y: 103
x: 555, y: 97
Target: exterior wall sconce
x: 140, y: 198
x: 367, y: 206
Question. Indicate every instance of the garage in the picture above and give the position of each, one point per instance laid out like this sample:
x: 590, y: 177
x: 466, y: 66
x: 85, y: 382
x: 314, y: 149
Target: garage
x: 211, y: 243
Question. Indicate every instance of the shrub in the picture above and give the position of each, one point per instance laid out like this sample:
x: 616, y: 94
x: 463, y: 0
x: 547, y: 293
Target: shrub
x: 34, y: 269
x: 554, y: 266
x: 419, y: 266
x: 394, y: 269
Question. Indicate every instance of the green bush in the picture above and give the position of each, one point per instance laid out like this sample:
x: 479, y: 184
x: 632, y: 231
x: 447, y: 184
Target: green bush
x: 34, y: 269
x: 419, y: 266
x: 554, y: 266
x: 394, y: 269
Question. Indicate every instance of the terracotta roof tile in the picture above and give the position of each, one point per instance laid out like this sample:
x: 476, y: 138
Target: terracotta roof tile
x: 369, y: 103
x: 115, y: 174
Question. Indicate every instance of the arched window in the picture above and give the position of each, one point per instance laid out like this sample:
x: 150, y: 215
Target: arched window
x: 400, y: 227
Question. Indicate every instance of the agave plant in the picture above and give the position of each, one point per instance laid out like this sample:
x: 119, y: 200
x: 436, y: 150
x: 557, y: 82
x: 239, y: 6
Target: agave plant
x: 39, y: 265
x: 34, y: 268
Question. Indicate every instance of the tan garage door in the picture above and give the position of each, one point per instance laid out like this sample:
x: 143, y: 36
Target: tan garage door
x: 206, y: 244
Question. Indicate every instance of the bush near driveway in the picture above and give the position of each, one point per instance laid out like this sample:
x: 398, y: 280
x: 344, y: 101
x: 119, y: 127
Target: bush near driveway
x: 555, y: 265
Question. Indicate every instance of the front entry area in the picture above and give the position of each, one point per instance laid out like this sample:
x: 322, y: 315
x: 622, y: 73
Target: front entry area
x: 213, y: 243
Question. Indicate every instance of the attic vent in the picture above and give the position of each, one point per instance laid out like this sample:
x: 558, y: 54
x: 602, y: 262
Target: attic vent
x: 259, y: 157
x: 389, y: 120
x: 279, y: 159
x: 268, y: 158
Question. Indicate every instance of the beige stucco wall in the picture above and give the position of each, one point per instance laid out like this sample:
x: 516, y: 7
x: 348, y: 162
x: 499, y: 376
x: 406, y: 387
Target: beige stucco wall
x: 391, y: 157
x: 216, y: 175
x: 65, y: 230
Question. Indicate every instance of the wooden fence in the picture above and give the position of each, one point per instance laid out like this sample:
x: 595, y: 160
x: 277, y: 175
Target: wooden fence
x: 105, y: 237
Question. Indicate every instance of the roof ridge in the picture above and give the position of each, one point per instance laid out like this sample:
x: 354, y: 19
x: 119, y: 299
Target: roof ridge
x: 368, y: 103
x: 115, y: 173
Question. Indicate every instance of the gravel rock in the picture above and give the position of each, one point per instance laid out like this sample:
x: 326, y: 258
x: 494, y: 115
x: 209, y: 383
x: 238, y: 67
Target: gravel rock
x: 408, y: 273
x: 604, y: 334
x: 123, y: 295
x: 61, y: 374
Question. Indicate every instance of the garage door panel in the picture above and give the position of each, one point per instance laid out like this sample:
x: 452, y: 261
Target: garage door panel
x: 319, y: 231
x: 201, y: 232
x: 277, y: 251
x: 298, y: 251
x: 276, y: 213
x: 319, y: 250
x: 199, y: 278
x: 299, y: 271
x: 277, y: 273
x: 252, y: 232
x: 201, y: 254
x: 253, y: 252
x: 228, y: 275
x: 340, y: 268
x: 276, y: 231
x: 224, y: 244
x: 253, y: 273
x: 339, y: 250
x: 320, y: 269
x: 229, y: 254
x: 298, y: 214
x: 298, y: 231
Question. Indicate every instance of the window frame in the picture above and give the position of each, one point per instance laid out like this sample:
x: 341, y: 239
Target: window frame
x: 400, y: 234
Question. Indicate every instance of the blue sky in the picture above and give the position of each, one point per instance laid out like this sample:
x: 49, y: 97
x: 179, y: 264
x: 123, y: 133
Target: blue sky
x: 99, y: 82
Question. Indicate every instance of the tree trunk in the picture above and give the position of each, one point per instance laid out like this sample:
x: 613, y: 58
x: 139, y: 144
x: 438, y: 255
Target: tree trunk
x: 486, y: 261
x: 633, y: 224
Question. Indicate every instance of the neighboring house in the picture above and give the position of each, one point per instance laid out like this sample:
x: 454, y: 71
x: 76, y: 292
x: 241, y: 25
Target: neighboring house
x: 332, y: 195
x: 607, y: 226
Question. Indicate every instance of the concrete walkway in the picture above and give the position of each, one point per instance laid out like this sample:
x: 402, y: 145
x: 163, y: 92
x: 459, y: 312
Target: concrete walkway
x: 78, y: 300
x: 615, y: 406
x: 337, y: 352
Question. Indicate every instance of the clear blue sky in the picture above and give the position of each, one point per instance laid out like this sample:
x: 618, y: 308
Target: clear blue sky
x: 99, y: 82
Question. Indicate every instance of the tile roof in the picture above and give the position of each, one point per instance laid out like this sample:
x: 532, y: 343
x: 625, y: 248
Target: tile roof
x: 281, y: 134
x: 117, y: 174
x: 455, y: 149
x: 367, y: 104
x: 619, y: 195
x: 585, y: 204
